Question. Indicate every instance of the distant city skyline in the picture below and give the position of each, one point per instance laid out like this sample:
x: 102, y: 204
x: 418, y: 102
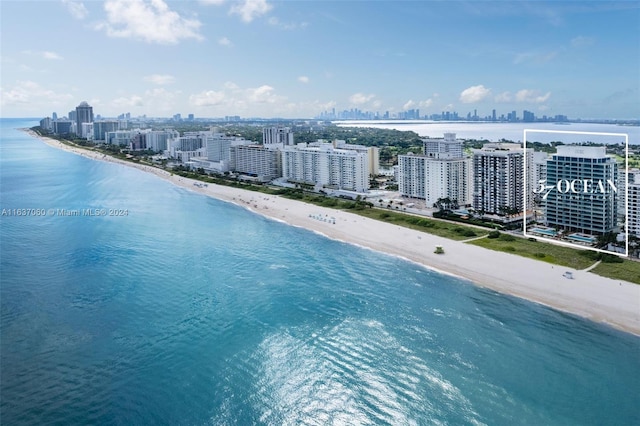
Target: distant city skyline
x: 261, y: 58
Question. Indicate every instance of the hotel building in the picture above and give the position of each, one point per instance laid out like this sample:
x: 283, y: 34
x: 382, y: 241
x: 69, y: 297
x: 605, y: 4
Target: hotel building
x: 498, y: 178
x: 583, y: 197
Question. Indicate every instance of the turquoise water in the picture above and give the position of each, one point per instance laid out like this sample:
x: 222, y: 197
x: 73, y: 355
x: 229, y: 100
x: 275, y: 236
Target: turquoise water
x: 582, y: 238
x: 549, y: 232
x: 192, y: 311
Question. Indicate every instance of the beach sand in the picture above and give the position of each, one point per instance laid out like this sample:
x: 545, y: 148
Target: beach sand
x: 599, y: 299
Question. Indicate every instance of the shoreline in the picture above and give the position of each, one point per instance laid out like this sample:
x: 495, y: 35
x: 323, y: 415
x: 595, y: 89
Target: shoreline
x: 603, y: 300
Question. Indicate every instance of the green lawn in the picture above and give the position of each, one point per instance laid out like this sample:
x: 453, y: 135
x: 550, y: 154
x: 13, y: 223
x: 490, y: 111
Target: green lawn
x: 627, y: 271
x: 546, y: 252
x: 453, y: 231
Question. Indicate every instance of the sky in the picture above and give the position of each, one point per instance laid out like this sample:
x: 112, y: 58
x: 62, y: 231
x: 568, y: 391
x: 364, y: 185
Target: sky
x: 296, y: 59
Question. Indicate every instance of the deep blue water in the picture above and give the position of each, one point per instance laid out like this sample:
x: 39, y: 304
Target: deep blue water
x: 192, y: 311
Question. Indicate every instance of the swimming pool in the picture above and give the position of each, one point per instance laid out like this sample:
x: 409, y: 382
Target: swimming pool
x: 544, y: 231
x: 582, y: 238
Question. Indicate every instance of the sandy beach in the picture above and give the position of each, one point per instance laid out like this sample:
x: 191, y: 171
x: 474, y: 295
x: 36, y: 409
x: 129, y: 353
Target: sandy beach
x: 600, y: 299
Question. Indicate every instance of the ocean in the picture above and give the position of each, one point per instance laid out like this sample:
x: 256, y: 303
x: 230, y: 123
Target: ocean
x: 183, y: 309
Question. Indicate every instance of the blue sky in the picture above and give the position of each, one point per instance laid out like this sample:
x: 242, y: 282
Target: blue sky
x: 263, y: 58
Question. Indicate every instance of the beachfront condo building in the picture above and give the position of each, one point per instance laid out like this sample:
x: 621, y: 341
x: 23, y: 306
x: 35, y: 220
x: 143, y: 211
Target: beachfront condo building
x: 323, y: 165
x: 278, y: 136
x: 160, y: 140
x: 442, y: 171
x: 372, y: 152
x: 499, y: 179
x: 633, y: 186
x: 84, y: 114
x: 101, y: 128
x: 621, y: 185
x: 219, y: 145
x: 431, y: 179
x: 120, y: 137
x: 447, y: 147
x: 257, y: 161
x: 46, y: 124
x: 62, y: 127
x: 582, y: 195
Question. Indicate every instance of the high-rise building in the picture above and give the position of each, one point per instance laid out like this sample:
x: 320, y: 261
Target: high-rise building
x: 528, y: 116
x: 62, y: 127
x: 282, y: 136
x: 498, y: 178
x: 219, y: 145
x: 431, y: 179
x: 257, y: 161
x: 84, y: 114
x: 101, y: 128
x: 373, y: 154
x: 441, y: 172
x: 448, y: 147
x: 46, y: 124
x: 582, y: 196
x: 322, y: 164
x: 159, y: 140
x: 633, y: 187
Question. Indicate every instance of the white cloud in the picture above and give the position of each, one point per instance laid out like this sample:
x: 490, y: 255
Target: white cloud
x: 234, y: 98
x: 214, y: 2
x: 44, y: 54
x: 503, y: 97
x: 250, y: 9
x: 208, y: 98
x: 426, y: 104
x: 421, y: 104
x: 532, y: 96
x: 474, y: 94
x: 224, y: 42
x: 31, y: 94
x: 303, y: 79
x: 76, y: 9
x: 262, y: 94
x: 159, y: 98
x: 151, y: 21
x: 128, y: 102
x: 159, y: 79
x: 51, y: 55
x: 410, y: 104
x: 273, y: 21
x: 360, y: 98
x: 582, y: 41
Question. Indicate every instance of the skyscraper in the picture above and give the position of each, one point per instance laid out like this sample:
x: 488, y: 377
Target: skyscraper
x: 441, y: 172
x: 499, y: 178
x: 84, y: 114
x: 282, y: 136
x: 583, y: 196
